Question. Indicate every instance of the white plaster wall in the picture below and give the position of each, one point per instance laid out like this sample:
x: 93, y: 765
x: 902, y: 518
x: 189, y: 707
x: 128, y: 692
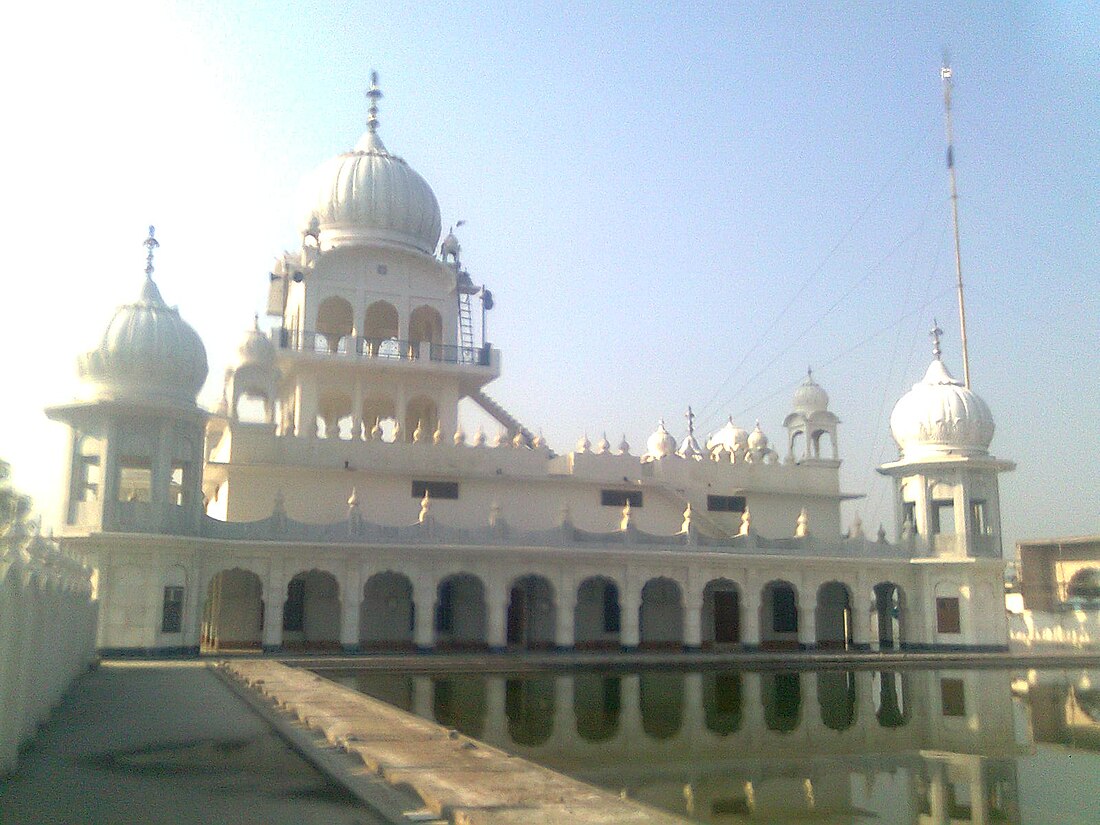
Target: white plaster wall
x: 47, y: 637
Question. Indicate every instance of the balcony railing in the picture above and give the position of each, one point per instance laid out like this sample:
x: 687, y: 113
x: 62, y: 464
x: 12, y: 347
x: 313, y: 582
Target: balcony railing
x: 392, y: 348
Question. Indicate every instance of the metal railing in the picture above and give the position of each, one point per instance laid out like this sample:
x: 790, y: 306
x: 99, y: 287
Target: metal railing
x: 393, y: 348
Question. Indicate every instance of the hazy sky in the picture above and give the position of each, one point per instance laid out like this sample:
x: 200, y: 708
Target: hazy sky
x: 673, y: 205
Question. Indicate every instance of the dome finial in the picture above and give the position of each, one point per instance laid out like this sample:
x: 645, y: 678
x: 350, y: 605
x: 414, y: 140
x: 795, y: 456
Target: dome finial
x: 150, y: 244
x: 373, y: 94
x: 935, y: 334
x: 690, y: 416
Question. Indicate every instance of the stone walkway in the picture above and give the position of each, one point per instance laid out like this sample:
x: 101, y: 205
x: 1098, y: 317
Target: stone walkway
x: 153, y: 742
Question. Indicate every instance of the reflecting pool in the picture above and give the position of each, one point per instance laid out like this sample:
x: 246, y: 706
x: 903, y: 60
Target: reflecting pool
x: 728, y: 745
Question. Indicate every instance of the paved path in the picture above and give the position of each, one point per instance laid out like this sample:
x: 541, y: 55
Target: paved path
x: 152, y: 742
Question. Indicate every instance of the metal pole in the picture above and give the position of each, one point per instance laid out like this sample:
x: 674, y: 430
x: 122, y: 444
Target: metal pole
x: 945, y: 76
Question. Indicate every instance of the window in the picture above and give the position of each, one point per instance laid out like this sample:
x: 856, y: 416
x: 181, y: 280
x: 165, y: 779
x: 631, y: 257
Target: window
x: 620, y: 498
x: 171, y: 616
x: 953, y: 697
x: 943, y: 516
x: 445, y: 610
x: 435, y: 489
x: 979, y: 519
x: 726, y: 504
x: 909, y: 513
x: 947, y: 615
x: 294, y: 609
x: 784, y: 611
x: 610, y: 608
x: 135, y: 479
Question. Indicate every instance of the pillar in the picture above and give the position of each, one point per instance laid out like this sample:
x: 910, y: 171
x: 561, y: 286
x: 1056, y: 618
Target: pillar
x: 496, y: 716
x: 273, y: 619
x: 565, y: 723
x: 693, y: 620
x: 630, y: 604
x: 565, y: 632
x: 496, y: 606
x: 351, y: 588
x: 424, y: 592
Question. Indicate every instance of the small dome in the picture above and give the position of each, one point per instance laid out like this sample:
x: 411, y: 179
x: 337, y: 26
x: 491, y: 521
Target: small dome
x: 730, y: 438
x: 940, y: 415
x: 148, y: 353
x: 256, y: 349
x: 368, y: 196
x: 757, y: 440
x: 810, y: 397
x: 660, y: 443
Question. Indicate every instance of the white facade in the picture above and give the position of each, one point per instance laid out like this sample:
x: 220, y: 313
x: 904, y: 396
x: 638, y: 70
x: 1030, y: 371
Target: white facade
x: 338, y: 503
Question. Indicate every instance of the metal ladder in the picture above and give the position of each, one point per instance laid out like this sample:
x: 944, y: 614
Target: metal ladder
x: 465, y: 290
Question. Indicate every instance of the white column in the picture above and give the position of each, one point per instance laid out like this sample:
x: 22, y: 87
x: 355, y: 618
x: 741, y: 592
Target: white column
x: 496, y: 605
x: 693, y: 620
x: 629, y: 605
x: 565, y: 633
x: 357, y: 409
x: 351, y: 593
x: 424, y: 591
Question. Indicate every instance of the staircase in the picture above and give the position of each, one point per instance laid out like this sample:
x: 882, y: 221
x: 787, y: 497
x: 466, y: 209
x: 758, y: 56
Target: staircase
x: 502, y: 415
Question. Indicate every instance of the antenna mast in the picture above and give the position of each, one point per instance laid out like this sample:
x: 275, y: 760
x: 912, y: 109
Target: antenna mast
x: 945, y: 76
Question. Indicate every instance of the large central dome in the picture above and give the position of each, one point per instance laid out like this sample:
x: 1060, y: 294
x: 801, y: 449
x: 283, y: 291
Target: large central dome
x: 369, y: 196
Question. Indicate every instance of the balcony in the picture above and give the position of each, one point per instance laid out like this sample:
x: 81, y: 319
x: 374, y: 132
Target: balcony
x: 353, y: 346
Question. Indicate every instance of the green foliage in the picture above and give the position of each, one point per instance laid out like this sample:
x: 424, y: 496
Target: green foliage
x: 14, y: 506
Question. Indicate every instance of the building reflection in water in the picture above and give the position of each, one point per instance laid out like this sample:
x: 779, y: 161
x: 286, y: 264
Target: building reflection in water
x: 725, y: 745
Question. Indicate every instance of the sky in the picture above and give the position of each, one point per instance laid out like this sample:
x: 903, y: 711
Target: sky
x: 673, y: 205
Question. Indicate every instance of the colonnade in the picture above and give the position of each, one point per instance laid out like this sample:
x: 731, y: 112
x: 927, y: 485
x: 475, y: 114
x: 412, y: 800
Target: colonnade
x: 47, y: 636
x: 313, y: 609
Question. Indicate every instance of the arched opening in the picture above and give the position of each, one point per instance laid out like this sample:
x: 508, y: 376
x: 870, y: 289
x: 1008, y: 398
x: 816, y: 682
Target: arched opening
x: 529, y: 706
x: 334, y: 411
x: 421, y: 412
x: 334, y: 323
x: 425, y: 326
x: 459, y: 702
x: 387, y: 613
x: 722, y: 700
x: 531, y: 614
x: 380, y: 410
x: 661, y: 697
x: 661, y: 615
x: 233, y: 612
x: 779, y: 616
x: 782, y: 695
x: 597, y: 700
x: 460, y: 613
x: 721, y: 619
x: 311, y: 613
x: 597, y: 615
x: 834, y: 617
x: 380, y: 327
x: 888, y: 690
x: 836, y: 696
x: 887, y: 613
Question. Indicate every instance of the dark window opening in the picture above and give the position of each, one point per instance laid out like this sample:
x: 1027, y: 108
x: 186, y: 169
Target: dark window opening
x: 171, y: 616
x: 726, y: 504
x: 943, y: 517
x: 953, y: 697
x: 610, y: 609
x: 948, y: 619
x: 909, y: 513
x: 435, y: 489
x: 445, y: 611
x: 294, y: 610
x: 620, y: 498
x: 979, y: 520
x: 784, y: 611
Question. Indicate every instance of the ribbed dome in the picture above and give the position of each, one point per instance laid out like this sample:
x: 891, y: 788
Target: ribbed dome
x: 730, y: 438
x: 660, y: 443
x: 940, y: 415
x: 810, y: 397
x: 369, y: 196
x: 757, y: 440
x: 148, y: 353
x: 256, y: 348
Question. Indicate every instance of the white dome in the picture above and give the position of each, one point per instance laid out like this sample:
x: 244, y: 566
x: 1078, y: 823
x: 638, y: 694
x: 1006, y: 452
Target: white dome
x: 730, y: 438
x: 660, y: 443
x: 810, y: 397
x: 256, y: 349
x: 369, y: 196
x: 940, y: 415
x: 148, y: 353
x: 757, y: 439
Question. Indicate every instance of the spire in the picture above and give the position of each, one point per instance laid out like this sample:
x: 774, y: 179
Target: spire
x: 374, y: 94
x: 370, y: 142
x: 149, y: 292
x: 935, y: 334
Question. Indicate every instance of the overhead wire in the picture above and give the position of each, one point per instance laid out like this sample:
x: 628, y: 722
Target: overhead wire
x: 705, y: 410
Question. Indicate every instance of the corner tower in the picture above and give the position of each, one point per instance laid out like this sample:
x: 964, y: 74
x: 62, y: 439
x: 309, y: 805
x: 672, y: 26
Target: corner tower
x: 136, y: 451
x: 947, y: 497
